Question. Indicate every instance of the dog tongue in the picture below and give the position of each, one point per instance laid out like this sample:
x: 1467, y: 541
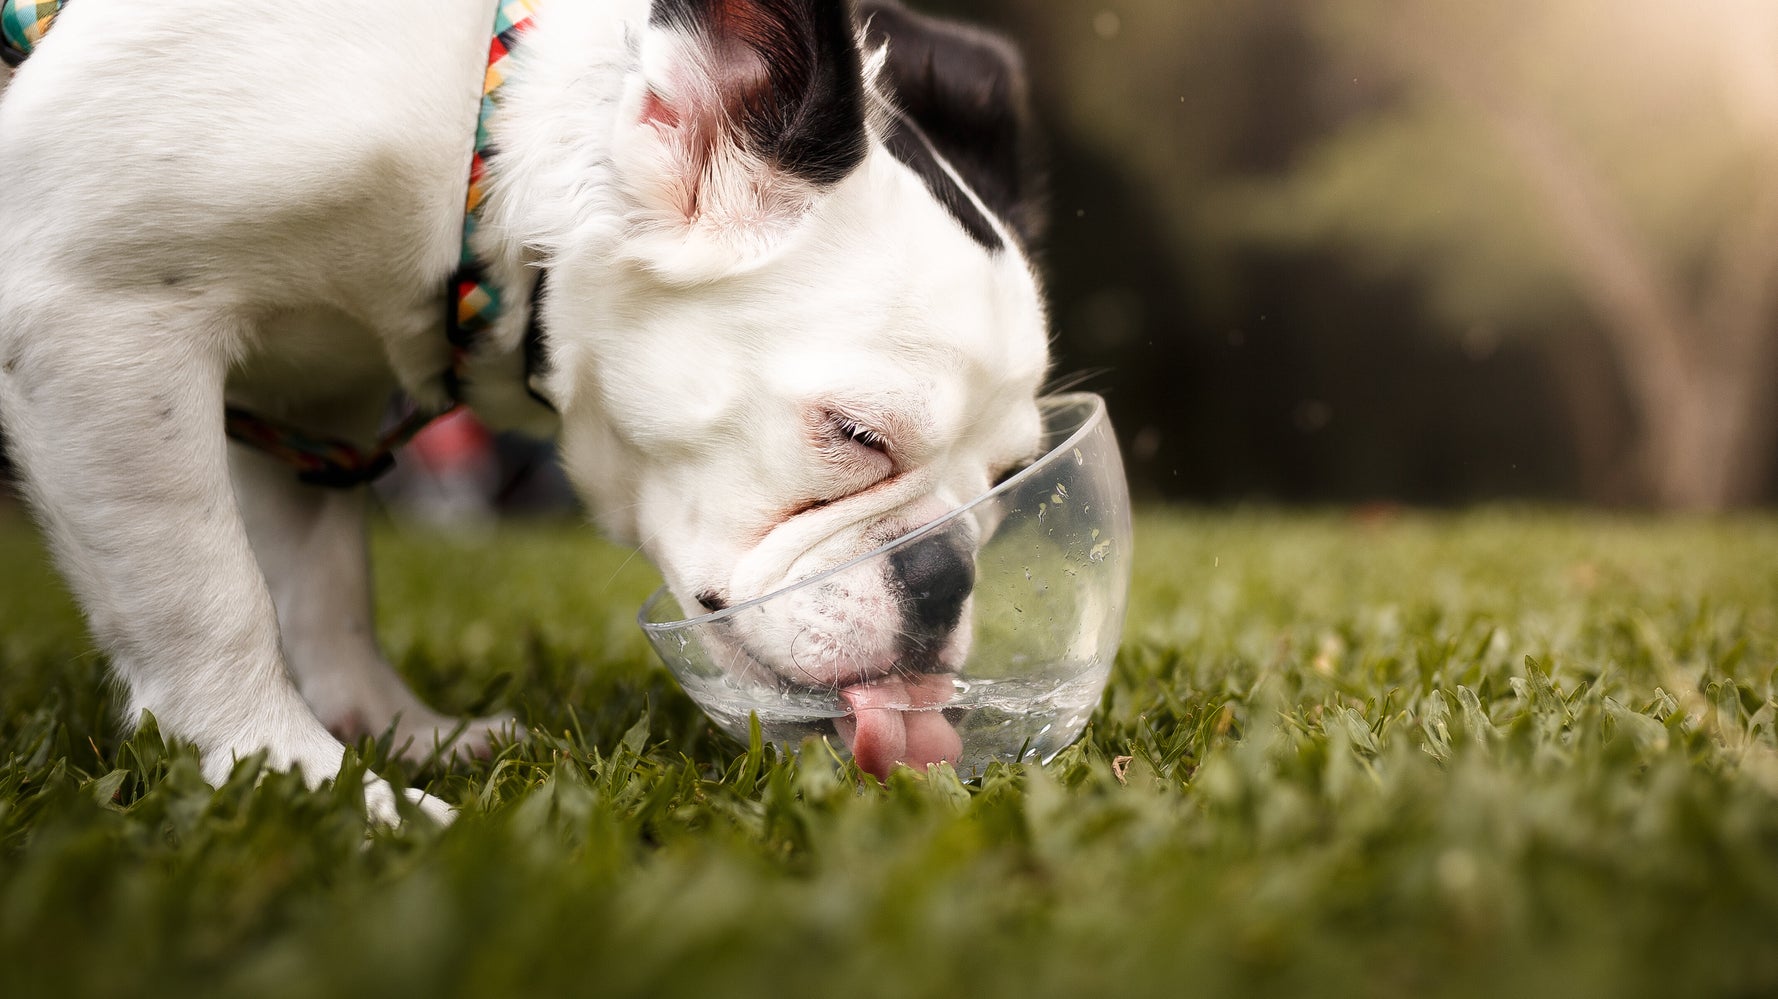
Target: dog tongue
x: 888, y: 726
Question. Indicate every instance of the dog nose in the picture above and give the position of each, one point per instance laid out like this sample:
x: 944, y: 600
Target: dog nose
x: 936, y: 577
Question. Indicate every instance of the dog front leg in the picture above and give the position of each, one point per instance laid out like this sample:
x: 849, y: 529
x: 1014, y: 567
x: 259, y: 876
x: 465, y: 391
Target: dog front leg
x: 312, y: 548
x: 121, y: 443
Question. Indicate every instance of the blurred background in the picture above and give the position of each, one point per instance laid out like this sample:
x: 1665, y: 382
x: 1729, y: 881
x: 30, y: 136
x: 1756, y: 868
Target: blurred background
x: 1429, y: 253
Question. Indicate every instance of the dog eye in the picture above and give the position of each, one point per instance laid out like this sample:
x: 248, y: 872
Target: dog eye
x: 862, y: 435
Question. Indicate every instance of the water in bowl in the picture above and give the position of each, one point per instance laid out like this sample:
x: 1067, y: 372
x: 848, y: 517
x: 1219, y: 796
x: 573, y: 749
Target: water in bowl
x: 1015, y: 719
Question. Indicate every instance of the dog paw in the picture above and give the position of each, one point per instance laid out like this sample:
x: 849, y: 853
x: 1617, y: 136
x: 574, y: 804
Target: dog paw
x: 422, y: 734
x: 319, y: 759
x: 447, y: 738
x: 380, y: 804
x: 435, y: 808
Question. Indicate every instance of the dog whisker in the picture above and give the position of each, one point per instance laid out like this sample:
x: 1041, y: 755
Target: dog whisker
x: 1070, y: 382
x: 625, y: 564
x: 814, y: 681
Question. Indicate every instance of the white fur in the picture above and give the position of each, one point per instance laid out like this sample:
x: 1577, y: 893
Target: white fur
x: 260, y: 201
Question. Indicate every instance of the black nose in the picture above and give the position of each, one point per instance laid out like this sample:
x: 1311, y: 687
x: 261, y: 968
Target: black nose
x: 936, y: 577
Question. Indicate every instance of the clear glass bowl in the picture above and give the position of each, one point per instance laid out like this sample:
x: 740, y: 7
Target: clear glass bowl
x: 1043, y: 622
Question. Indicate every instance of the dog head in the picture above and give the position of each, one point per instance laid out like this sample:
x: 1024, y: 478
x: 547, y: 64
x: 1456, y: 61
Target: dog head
x: 817, y: 326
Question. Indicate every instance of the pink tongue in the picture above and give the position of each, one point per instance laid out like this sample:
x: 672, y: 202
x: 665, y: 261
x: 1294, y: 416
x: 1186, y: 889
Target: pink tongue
x: 886, y: 726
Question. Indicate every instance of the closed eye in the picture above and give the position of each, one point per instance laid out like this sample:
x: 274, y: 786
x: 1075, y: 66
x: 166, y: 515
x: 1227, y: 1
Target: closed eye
x: 854, y: 456
x: 847, y: 438
x: 861, y: 435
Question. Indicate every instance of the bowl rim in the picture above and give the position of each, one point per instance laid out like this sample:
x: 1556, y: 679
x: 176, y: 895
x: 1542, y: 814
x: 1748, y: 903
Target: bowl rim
x: 1097, y: 415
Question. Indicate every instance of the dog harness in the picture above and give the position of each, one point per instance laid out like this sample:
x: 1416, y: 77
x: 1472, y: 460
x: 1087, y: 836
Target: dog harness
x: 473, y: 303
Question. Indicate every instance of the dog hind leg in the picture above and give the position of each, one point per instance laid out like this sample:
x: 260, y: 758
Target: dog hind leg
x: 311, y: 545
x: 118, y: 431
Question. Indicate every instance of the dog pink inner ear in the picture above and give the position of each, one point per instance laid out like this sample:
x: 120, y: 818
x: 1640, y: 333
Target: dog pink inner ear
x: 728, y: 82
x: 656, y: 111
x: 743, y: 81
x: 756, y: 52
x: 751, y: 108
x: 703, y: 112
x: 779, y: 79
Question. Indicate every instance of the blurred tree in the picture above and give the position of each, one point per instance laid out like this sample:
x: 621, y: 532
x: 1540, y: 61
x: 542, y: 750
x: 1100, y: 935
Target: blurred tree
x: 1600, y: 165
x: 1239, y: 371
x: 1180, y: 94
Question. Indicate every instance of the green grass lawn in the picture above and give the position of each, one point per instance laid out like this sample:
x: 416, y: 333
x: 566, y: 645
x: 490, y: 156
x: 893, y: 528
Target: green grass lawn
x: 1494, y: 754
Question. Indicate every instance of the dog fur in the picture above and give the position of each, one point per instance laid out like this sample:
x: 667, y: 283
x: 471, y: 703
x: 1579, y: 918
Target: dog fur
x: 790, y: 313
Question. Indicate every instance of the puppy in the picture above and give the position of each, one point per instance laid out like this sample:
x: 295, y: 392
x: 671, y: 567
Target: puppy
x: 767, y: 274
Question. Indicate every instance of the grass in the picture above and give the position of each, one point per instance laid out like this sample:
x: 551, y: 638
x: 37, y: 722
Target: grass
x: 1502, y: 753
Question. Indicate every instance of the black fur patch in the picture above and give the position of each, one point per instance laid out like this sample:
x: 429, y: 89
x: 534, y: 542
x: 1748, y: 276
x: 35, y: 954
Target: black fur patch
x: 965, y: 89
x: 805, y: 113
x: 536, y: 348
x: 911, y: 146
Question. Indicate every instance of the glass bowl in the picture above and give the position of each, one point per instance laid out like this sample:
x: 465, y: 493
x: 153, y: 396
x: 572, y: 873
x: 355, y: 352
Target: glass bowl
x: 1041, y: 625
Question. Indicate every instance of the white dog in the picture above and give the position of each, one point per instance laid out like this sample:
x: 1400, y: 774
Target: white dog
x: 770, y: 254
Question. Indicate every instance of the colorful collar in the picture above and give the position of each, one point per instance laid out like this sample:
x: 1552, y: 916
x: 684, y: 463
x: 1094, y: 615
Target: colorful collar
x: 22, y: 25
x: 475, y: 302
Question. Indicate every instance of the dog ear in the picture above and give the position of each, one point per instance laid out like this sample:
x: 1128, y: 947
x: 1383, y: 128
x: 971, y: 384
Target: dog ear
x: 966, y: 90
x: 744, y: 113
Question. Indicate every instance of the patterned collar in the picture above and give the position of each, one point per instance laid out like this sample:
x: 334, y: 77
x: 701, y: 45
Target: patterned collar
x: 474, y: 301
x: 22, y: 24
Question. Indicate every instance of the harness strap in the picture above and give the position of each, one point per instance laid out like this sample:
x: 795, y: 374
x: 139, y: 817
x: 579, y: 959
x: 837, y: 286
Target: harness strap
x: 337, y: 464
x: 325, y: 461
